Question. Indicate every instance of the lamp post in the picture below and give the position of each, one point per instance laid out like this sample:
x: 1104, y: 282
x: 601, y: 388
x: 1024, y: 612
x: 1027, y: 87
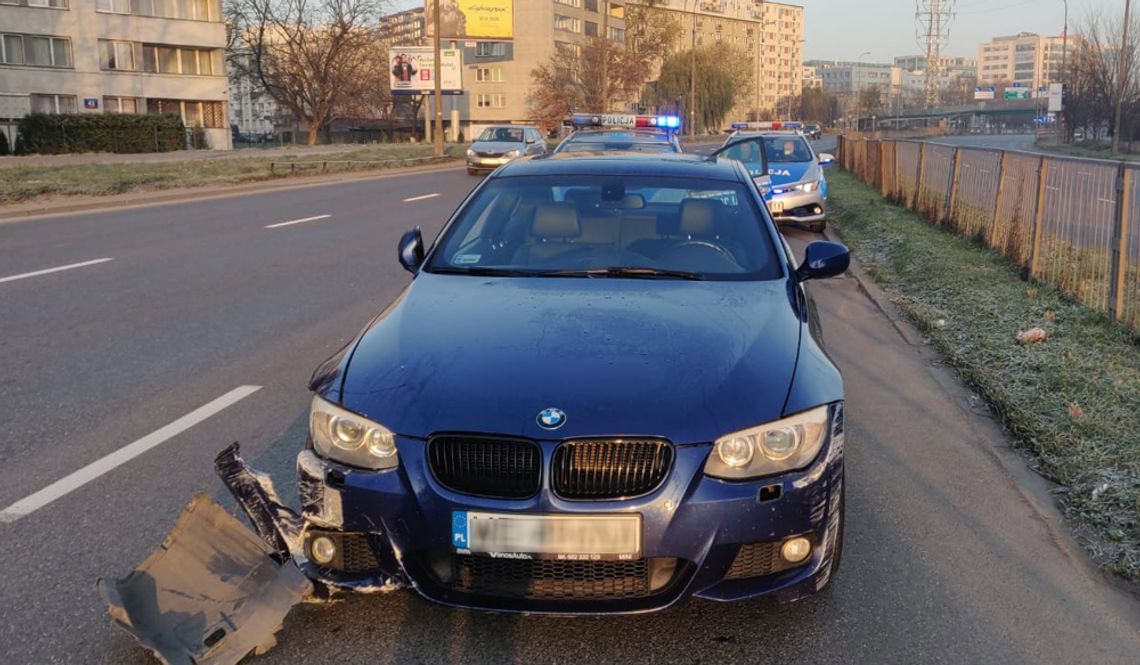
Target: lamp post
x: 438, y: 131
x: 855, y: 85
x: 1121, y: 75
x: 1064, y: 73
x: 693, y: 75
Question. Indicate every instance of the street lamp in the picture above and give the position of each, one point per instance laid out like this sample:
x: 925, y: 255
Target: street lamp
x: 855, y: 85
x: 1059, y: 125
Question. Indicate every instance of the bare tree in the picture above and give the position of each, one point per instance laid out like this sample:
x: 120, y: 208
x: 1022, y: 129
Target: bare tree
x: 1094, y: 81
x: 314, y: 57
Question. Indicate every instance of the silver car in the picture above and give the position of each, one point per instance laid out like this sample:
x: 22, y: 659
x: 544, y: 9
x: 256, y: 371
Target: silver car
x: 500, y: 144
x: 796, y: 192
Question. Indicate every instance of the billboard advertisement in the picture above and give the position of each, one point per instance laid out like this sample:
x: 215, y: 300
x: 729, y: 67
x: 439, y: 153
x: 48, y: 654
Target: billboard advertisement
x: 981, y: 92
x: 412, y: 70
x: 471, y: 19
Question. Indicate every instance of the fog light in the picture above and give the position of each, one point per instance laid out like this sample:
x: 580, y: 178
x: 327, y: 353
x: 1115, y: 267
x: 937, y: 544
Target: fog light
x: 795, y: 550
x: 323, y: 550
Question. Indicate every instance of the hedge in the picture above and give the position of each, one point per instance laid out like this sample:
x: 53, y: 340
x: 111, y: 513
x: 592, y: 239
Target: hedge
x: 45, y: 134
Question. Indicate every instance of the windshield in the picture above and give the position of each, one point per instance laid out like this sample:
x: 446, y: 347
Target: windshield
x: 610, y: 226
x: 626, y: 146
x: 787, y: 149
x: 502, y: 134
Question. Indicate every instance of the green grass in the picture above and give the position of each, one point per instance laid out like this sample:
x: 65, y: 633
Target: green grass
x: 1090, y: 149
x: 23, y: 184
x: 971, y: 303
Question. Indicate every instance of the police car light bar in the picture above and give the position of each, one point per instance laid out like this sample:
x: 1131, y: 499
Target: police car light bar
x: 668, y: 122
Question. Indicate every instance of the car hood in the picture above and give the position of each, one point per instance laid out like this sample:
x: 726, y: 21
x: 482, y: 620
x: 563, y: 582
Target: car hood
x: 689, y: 361
x: 497, y: 146
x: 784, y: 173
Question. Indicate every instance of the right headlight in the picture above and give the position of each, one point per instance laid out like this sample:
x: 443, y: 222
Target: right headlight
x: 470, y: 152
x: 777, y: 447
x: 343, y: 436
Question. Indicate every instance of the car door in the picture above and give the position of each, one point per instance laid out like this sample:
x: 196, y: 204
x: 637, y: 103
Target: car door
x: 750, y: 152
x: 535, y: 144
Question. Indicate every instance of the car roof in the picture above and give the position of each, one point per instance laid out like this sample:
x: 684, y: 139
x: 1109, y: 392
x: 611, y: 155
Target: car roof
x: 767, y: 133
x: 675, y: 165
x: 645, y: 135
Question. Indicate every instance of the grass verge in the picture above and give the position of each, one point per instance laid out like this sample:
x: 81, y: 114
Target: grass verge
x: 1090, y: 149
x: 23, y: 184
x: 1072, y: 402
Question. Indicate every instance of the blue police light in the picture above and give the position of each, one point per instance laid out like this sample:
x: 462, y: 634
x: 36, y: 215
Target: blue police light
x: 669, y: 121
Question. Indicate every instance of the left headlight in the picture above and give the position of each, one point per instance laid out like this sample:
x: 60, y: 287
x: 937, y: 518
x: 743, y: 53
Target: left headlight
x: 808, y: 186
x: 512, y: 153
x: 343, y: 436
x: 470, y: 152
x: 777, y: 447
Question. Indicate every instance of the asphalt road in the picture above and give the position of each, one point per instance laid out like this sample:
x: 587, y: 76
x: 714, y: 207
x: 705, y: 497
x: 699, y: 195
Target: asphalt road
x: 949, y: 557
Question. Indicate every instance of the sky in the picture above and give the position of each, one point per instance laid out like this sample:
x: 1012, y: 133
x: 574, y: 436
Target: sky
x: 844, y: 29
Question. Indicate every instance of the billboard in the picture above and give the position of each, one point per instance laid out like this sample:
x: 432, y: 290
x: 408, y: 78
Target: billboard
x: 411, y: 70
x: 981, y: 92
x: 471, y: 19
x: 1056, y: 97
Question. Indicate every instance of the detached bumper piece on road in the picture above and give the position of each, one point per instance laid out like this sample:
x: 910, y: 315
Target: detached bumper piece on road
x: 212, y: 593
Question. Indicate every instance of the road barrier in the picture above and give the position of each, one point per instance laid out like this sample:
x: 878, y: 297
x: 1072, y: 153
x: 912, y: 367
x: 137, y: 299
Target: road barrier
x: 1070, y: 222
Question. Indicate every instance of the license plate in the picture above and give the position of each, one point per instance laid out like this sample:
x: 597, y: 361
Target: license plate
x: 619, y: 120
x: 775, y: 207
x: 566, y: 537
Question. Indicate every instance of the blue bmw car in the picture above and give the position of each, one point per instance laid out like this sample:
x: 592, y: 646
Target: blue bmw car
x: 603, y: 391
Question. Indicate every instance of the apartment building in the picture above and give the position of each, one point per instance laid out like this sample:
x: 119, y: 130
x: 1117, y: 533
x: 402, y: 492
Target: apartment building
x: 769, y: 34
x: 404, y: 28
x: 951, y: 66
x: 115, y: 56
x: 1026, y: 58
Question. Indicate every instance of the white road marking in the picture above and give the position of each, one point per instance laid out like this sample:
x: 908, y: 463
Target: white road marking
x: 298, y: 221
x: 48, y: 271
x: 70, y: 483
x: 421, y: 198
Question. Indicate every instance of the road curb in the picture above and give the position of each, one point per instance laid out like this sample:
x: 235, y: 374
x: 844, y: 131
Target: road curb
x: 20, y: 213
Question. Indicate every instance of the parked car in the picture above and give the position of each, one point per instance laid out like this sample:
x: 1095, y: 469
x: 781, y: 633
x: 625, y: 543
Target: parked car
x: 602, y: 392
x: 500, y: 144
x: 813, y: 131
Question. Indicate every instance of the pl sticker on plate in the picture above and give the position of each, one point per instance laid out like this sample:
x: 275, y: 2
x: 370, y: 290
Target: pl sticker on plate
x: 459, y: 530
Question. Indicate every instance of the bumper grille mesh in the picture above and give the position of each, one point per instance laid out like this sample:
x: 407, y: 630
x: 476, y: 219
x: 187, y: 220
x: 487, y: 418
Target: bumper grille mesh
x: 758, y: 560
x: 486, y: 466
x: 548, y: 579
x: 610, y: 469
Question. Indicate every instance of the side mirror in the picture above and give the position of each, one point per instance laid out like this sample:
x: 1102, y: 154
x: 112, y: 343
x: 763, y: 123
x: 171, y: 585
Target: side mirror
x: 411, y: 250
x: 826, y: 158
x: 823, y: 259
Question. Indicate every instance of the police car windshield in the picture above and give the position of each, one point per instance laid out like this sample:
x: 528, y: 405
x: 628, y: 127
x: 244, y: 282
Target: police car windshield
x: 502, y: 134
x: 787, y: 149
x: 641, y: 227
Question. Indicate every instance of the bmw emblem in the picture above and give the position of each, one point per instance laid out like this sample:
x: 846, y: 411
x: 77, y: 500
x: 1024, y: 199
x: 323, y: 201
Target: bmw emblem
x: 551, y: 418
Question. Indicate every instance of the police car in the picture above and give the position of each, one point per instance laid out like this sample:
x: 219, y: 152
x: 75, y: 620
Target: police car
x: 605, y: 132
x: 796, y: 186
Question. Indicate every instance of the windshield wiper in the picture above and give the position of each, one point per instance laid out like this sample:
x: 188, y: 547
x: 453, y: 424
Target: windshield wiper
x: 631, y: 272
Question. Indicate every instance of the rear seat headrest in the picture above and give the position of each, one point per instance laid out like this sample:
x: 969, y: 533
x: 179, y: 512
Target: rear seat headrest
x: 556, y: 220
x: 698, y: 216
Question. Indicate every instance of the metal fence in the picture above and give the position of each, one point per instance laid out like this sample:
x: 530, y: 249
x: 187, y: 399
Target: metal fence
x: 1073, y: 223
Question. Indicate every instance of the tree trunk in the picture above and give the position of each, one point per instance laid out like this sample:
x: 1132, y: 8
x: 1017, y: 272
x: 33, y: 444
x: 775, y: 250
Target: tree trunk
x: 314, y: 130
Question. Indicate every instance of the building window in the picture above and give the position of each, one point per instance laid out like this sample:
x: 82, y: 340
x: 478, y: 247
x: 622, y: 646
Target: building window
x: 567, y: 23
x: 54, y: 104
x: 158, y: 59
x: 490, y: 49
x: 117, y: 55
x: 35, y: 50
x: 49, y: 4
x: 591, y: 29
x: 194, y: 10
x: 570, y: 3
x: 591, y: 5
x: 491, y: 101
x: 617, y: 35
x: 193, y: 113
x: 120, y: 105
x: 489, y: 74
x: 567, y: 50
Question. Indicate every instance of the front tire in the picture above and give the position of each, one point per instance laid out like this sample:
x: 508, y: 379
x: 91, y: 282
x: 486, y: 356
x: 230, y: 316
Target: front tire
x: 471, y: 171
x: 817, y: 227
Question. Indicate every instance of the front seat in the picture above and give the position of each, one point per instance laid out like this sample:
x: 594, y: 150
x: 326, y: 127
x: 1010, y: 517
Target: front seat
x: 553, y: 231
x: 702, y: 226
